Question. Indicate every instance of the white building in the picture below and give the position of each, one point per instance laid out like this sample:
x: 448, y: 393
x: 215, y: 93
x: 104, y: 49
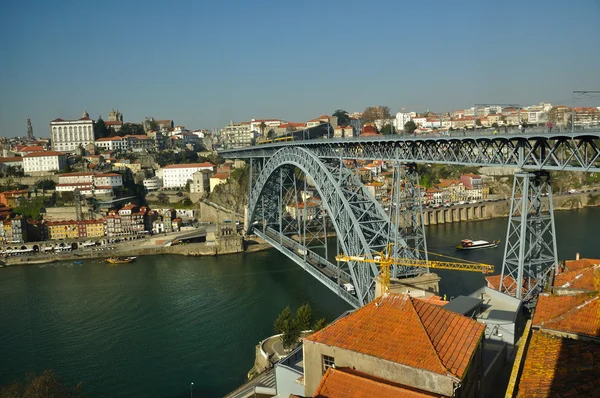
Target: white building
x: 152, y: 184
x: 177, y: 175
x: 237, y: 135
x: 109, y: 180
x: 48, y: 161
x: 401, y: 119
x: 200, y: 182
x: 69, y: 135
x: 112, y: 143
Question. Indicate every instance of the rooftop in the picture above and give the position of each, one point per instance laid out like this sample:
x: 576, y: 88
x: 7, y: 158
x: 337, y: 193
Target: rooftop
x: 347, y: 383
x: 41, y: 154
x: 560, y: 367
x: 189, y: 165
x: 578, y: 314
x: 441, y: 341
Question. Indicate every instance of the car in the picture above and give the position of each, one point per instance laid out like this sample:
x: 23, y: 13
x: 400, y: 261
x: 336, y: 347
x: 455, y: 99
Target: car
x: 472, y: 202
x: 462, y: 202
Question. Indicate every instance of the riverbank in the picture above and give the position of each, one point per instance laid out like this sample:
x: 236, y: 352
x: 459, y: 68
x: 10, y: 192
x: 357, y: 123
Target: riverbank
x: 225, y: 245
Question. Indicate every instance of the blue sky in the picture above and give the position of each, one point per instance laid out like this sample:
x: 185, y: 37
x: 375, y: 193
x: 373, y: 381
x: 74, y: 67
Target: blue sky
x: 204, y: 63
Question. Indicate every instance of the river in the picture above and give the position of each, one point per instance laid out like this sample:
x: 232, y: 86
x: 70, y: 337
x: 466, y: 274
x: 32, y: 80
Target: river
x: 152, y: 327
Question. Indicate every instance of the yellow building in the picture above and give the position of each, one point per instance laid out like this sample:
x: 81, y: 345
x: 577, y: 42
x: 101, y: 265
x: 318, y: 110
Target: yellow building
x: 63, y: 229
x: 135, y: 167
x: 94, y: 228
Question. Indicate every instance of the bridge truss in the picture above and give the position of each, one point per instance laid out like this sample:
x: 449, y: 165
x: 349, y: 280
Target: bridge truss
x: 362, y: 226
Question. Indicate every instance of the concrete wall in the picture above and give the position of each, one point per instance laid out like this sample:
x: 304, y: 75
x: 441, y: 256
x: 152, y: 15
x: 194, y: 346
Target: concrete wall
x: 395, y: 372
x: 27, y: 180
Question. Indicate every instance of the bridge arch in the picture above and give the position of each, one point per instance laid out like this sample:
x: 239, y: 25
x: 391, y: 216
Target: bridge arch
x: 358, y: 232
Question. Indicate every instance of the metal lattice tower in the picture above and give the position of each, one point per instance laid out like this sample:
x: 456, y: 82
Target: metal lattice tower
x: 406, y: 215
x: 530, y: 251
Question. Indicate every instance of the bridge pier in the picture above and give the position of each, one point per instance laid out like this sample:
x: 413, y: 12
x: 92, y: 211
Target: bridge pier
x: 530, y: 248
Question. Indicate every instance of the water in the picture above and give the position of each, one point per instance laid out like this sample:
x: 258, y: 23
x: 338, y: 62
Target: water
x: 151, y: 327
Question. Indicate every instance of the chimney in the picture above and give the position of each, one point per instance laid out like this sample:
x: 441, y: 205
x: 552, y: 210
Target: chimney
x: 576, y: 256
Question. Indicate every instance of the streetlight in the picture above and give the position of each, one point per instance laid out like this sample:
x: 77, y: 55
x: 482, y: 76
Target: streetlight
x: 191, y: 386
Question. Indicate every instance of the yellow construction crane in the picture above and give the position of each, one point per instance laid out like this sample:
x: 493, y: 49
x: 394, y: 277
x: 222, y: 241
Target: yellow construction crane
x: 385, y: 261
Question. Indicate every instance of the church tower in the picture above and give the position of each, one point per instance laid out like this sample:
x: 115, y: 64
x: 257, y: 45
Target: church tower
x: 29, y: 130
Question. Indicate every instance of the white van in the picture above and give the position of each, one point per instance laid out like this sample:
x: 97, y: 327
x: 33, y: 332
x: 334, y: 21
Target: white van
x: 349, y: 288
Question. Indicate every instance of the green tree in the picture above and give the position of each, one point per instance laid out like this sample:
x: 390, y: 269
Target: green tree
x: 271, y: 134
x: 303, y: 317
x: 131, y: 129
x: 262, y: 127
x: 283, y: 321
x: 45, y: 184
x: 388, y: 129
x: 101, y: 129
x: 478, y: 122
x: 410, y: 127
x: 45, y: 385
x: 342, y: 117
x: 495, y: 125
x: 320, y: 324
x: 187, y: 202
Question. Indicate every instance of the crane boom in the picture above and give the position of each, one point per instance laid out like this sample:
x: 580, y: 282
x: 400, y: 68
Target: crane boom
x: 384, y: 261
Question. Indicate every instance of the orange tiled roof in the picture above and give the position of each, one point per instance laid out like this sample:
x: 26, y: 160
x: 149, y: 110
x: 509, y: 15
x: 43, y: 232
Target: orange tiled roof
x: 560, y: 367
x: 493, y: 282
x: 441, y: 341
x: 577, y: 314
x: 585, y: 278
x: 345, y: 383
x: 39, y: 154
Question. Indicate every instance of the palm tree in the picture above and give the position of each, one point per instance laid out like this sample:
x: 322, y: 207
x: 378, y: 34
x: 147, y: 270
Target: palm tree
x: 262, y: 127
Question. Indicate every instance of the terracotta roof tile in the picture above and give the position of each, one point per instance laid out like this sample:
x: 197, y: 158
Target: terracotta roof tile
x: 44, y: 153
x: 345, y: 383
x: 577, y: 314
x: 560, y: 367
x: 441, y: 341
x: 189, y: 165
x: 586, y: 278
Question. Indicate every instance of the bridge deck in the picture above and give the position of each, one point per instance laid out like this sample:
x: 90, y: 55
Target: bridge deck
x: 574, y: 151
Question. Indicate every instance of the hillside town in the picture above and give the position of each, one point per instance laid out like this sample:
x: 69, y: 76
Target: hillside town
x: 96, y: 178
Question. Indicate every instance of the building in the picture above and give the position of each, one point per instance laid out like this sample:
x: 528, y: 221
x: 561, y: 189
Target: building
x: 139, y: 143
x: 10, y: 198
x: 112, y: 143
x: 93, y: 228
x: 13, y: 161
x: 299, y: 210
x: 403, y: 343
x: 70, y: 135
x: 200, y: 182
x: 152, y: 184
x: 45, y: 161
x: 562, y: 354
x: 135, y: 167
x: 63, y: 229
x: 115, y: 120
x: 218, y: 178
x: 177, y: 175
x: 473, y: 184
x: 30, y: 149
x: 343, y: 132
x: 452, y: 190
x: 238, y: 135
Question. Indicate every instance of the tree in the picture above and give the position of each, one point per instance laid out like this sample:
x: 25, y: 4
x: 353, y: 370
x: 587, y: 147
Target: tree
x: 495, y: 125
x: 320, y: 324
x: 287, y: 327
x: 410, y: 127
x: 342, y: 117
x: 45, y: 184
x: 187, y: 202
x: 478, y: 122
x: 187, y: 185
x: 283, y: 320
x: 162, y: 198
x: 388, y: 129
x: 304, y: 317
x: 45, y: 385
x: 373, y: 113
x: 271, y: 134
x: 101, y: 129
x: 503, y: 119
x: 262, y: 127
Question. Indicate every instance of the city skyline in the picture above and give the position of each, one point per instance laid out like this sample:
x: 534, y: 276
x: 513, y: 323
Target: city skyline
x: 204, y: 65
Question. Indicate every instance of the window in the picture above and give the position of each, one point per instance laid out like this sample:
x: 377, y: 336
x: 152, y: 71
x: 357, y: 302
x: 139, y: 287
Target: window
x: 328, y: 362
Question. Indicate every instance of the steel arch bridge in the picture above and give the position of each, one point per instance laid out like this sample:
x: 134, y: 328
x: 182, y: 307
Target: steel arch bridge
x: 360, y: 223
x: 363, y: 226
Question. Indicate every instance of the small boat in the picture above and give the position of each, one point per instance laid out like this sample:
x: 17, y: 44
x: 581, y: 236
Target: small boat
x: 120, y: 260
x: 468, y: 244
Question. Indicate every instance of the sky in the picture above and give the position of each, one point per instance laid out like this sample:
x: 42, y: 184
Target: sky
x: 205, y: 63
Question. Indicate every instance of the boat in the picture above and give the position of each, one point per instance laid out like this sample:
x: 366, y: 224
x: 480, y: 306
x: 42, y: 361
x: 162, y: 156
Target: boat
x: 468, y: 244
x: 120, y: 260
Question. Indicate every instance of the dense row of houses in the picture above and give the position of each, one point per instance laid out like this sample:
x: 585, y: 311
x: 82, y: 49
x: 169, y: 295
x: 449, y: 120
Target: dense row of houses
x: 131, y: 219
